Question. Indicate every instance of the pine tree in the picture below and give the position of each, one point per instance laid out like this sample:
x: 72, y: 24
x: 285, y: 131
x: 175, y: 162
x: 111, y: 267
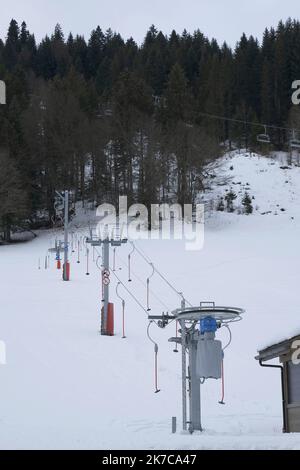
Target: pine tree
x: 45, y: 61
x: 78, y: 52
x: 58, y: 34
x: 247, y: 203
x: 12, y: 45
x: 108, y: 88
x: 95, y: 51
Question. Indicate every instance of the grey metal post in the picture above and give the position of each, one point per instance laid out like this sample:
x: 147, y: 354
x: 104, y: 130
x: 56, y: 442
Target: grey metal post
x: 173, y: 424
x: 183, y: 360
x: 105, y: 257
x: 66, y: 235
x: 2, y: 92
x: 105, y: 242
x: 195, y: 401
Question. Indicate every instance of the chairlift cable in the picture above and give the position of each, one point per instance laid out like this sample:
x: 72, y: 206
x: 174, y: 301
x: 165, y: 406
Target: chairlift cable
x: 241, y: 121
x: 162, y: 276
x: 143, y: 283
x: 125, y: 287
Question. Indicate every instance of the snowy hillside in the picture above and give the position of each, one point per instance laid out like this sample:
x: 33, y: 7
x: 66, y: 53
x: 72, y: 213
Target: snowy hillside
x: 270, y: 181
x: 65, y: 386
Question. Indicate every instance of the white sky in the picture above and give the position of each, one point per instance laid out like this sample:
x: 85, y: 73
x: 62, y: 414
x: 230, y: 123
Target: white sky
x: 222, y: 19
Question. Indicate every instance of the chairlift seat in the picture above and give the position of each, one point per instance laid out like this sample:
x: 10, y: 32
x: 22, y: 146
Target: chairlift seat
x: 295, y: 143
x: 264, y: 138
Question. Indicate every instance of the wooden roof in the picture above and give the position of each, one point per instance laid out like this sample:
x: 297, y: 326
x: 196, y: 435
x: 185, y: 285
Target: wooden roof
x: 276, y: 350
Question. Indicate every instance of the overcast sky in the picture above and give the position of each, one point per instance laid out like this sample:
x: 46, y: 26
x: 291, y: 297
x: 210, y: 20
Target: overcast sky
x: 222, y: 19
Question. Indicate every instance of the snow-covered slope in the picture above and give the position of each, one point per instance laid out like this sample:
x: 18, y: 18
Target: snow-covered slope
x: 64, y: 386
x: 270, y: 180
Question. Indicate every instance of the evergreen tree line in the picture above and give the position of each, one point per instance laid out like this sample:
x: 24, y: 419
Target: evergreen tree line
x: 106, y: 116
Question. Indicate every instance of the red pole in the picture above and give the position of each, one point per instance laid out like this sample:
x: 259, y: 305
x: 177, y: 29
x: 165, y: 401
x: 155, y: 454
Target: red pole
x: 110, y: 320
x: 67, y: 271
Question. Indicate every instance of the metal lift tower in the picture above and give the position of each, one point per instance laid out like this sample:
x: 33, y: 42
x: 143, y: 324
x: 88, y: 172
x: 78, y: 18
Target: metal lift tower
x: 197, y: 330
x: 66, y: 267
x: 114, y: 239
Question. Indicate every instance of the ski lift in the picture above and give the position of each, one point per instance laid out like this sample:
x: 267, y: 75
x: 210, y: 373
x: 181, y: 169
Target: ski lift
x: 148, y: 286
x: 264, y: 138
x: 129, y: 263
x: 123, y: 309
x: 294, y: 143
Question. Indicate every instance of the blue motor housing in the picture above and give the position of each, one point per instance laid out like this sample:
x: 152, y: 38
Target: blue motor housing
x: 208, y: 325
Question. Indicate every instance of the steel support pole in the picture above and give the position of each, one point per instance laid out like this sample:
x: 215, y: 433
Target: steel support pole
x: 105, y: 255
x: 195, y: 398
x: 183, y: 361
x: 66, y: 235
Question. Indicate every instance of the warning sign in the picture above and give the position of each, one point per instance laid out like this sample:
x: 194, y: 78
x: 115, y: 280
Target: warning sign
x: 106, y: 277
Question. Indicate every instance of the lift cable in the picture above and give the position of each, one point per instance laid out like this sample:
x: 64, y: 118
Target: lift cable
x: 241, y: 121
x: 143, y: 283
x: 145, y: 257
x: 148, y: 332
x: 233, y: 320
x: 125, y: 287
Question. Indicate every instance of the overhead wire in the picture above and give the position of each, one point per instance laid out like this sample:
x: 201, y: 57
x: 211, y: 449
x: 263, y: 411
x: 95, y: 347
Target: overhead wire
x: 143, y: 283
x: 125, y: 287
x: 241, y: 121
x: 145, y: 257
x: 157, y: 390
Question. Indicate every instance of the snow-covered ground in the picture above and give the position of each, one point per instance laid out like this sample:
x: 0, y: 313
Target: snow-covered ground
x: 65, y: 386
